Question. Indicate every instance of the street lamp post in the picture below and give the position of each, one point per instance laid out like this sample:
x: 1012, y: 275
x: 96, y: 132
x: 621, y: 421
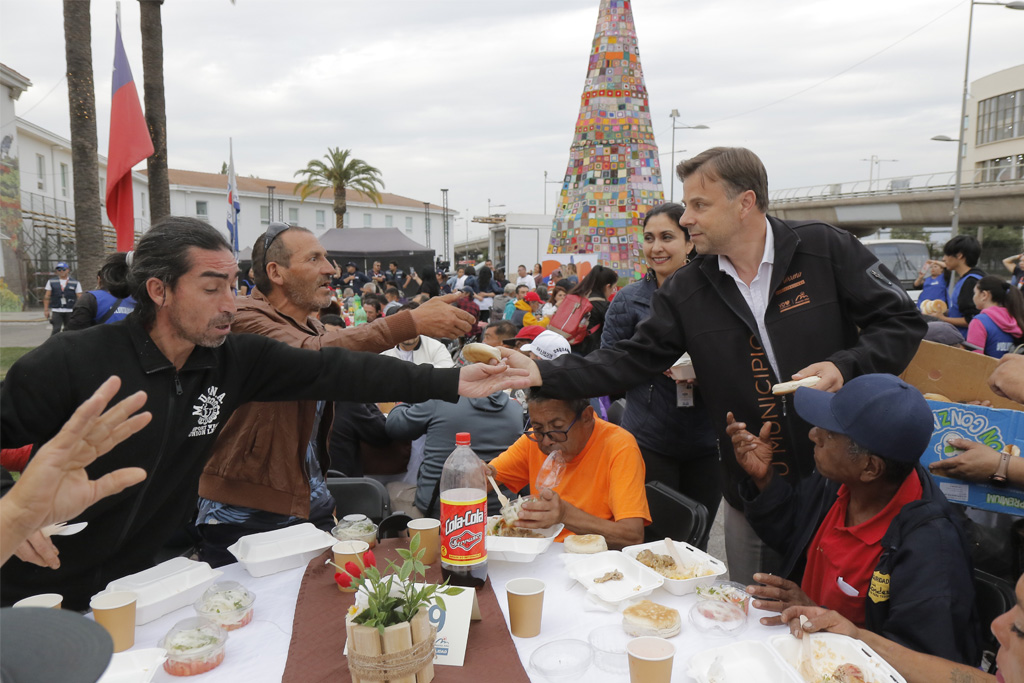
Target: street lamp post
x: 672, y: 172
x: 874, y: 162
x: 546, y: 183
x: 955, y: 223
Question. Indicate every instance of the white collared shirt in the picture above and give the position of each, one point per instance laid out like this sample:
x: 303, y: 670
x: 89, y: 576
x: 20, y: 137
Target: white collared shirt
x: 758, y: 292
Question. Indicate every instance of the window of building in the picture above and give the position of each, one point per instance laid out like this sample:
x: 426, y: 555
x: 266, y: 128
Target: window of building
x: 64, y: 180
x: 142, y: 203
x: 389, y: 221
x: 408, y: 223
x: 41, y: 170
x: 321, y: 218
x: 1001, y: 169
x: 264, y: 214
x: 1001, y: 117
x: 367, y: 220
x: 202, y: 210
x: 293, y: 215
x: 103, y: 190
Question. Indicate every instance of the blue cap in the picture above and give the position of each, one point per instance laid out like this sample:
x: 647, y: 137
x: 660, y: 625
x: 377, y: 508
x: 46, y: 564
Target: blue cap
x: 63, y: 264
x: 882, y: 413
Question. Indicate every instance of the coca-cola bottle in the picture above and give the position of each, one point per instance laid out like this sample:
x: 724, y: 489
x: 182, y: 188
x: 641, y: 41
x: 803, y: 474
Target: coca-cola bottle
x: 464, y: 516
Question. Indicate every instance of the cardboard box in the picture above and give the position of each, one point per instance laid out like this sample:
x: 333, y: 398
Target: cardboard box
x: 963, y: 376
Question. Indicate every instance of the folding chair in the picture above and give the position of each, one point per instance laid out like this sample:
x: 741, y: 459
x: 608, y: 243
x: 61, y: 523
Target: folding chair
x: 359, y: 495
x: 993, y: 597
x: 675, y: 516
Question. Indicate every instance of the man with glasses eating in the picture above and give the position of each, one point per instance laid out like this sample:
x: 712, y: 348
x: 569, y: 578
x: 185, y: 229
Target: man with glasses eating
x: 601, y: 489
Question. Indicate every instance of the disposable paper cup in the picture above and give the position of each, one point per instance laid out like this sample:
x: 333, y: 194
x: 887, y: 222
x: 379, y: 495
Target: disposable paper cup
x: 349, y: 551
x: 115, y: 611
x: 525, y: 603
x: 650, y: 660
x: 53, y: 600
x: 429, y: 531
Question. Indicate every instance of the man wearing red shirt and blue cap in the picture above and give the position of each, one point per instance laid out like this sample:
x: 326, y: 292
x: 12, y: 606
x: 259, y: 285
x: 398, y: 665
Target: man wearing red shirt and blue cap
x: 868, y: 534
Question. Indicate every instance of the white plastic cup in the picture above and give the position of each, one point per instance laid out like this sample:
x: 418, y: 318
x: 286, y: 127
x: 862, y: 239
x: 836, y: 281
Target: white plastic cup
x: 49, y: 600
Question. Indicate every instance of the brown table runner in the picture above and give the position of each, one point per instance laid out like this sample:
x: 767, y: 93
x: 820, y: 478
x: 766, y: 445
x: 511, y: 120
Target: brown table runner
x: 318, y: 632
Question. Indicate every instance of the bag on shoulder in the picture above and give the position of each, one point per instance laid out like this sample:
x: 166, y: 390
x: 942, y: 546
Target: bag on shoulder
x: 572, y: 318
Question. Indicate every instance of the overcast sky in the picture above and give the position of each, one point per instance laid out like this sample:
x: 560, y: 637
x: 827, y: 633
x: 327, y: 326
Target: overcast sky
x: 481, y: 96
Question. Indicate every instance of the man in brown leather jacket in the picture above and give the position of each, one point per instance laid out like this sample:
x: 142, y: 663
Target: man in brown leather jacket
x: 270, y: 460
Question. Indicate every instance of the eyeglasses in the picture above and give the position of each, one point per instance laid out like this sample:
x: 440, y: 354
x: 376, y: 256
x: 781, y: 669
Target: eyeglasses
x: 60, y: 269
x: 555, y: 436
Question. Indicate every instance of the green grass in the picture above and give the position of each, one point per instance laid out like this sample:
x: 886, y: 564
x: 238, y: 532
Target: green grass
x: 8, y: 355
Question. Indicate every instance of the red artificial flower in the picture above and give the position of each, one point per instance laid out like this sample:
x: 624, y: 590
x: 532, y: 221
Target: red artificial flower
x: 342, y: 579
x: 353, y: 569
x: 368, y: 559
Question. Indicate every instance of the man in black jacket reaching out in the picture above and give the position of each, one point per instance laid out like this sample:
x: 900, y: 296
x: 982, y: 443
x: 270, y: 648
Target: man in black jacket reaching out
x: 765, y: 301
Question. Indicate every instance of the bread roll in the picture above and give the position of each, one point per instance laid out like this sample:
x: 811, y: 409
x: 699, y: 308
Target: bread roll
x: 648, y: 618
x: 789, y: 387
x: 586, y: 544
x: 480, y: 353
x: 938, y: 397
x: 939, y: 307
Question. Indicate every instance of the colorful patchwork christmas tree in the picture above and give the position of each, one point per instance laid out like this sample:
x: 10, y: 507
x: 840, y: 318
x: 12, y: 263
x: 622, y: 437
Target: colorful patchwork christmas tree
x: 613, y: 177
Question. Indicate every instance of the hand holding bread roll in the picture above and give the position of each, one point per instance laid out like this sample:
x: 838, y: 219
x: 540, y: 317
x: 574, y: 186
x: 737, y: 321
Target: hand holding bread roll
x: 789, y: 387
x: 480, y: 353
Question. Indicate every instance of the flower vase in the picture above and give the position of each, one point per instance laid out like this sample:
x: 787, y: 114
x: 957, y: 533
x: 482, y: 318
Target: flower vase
x: 403, y: 654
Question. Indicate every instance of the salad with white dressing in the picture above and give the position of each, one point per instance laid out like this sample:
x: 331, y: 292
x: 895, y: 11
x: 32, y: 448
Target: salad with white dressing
x: 228, y: 604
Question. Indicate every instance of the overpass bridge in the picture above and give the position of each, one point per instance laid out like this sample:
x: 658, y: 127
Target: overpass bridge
x: 864, y: 206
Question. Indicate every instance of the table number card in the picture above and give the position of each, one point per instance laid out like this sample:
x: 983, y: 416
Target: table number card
x: 452, y: 626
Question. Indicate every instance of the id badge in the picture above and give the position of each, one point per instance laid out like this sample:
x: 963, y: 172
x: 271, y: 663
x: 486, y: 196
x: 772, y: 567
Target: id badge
x: 684, y: 395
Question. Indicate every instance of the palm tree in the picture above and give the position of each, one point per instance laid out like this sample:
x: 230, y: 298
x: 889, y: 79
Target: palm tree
x: 82, y: 100
x: 341, y: 172
x: 156, y: 115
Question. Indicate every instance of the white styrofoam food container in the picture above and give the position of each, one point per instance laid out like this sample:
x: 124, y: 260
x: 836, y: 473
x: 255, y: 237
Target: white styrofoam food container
x: 636, y: 582
x: 274, y: 551
x: 690, y: 556
x: 509, y: 549
x: 832, y: 649
x: 741, y: 662
x: 170, y: 585
x: 134, y: 666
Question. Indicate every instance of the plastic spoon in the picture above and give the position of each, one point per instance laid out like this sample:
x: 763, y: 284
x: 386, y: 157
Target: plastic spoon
x: 501, y: 496
x: 671, y: 546
x: 806, y: 667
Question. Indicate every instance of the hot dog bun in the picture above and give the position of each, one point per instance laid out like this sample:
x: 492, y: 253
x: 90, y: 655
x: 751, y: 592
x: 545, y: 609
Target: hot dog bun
x: 789, y: 387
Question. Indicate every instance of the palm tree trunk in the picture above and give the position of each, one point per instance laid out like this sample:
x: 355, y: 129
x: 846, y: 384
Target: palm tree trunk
x: 340, y: 206
x: 84, y: 161
x: 156, y: 114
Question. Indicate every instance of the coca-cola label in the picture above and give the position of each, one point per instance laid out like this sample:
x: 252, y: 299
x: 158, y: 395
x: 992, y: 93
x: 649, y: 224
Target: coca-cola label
x: 463, y: 531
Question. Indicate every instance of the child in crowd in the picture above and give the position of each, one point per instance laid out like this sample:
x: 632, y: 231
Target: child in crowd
x: 998, y: 326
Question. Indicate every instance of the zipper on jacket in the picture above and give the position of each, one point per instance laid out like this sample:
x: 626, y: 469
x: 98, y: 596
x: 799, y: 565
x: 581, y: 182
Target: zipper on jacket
x: 156, y: 464
x: 783, y: 405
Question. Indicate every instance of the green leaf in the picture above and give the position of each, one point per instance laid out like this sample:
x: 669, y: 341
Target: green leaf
x: 414, y: 544
x: 440, y: 603
x: 405, y: 554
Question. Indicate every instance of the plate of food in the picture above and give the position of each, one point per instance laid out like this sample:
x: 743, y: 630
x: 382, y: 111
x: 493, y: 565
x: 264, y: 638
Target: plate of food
x: 741, y: 662
x: 834, y: 658
x: 509, y: 543
x: 613, y: 576
x: 696, y: 568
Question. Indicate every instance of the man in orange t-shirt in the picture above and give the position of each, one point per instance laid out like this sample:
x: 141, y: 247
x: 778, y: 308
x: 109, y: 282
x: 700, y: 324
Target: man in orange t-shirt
x: 602, y: 487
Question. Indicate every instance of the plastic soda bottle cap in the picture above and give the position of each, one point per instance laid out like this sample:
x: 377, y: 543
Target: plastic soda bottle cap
x: 462, y: 439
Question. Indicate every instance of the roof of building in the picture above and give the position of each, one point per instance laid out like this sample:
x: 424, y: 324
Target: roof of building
x: 283, y: 188
x: 14, y: 80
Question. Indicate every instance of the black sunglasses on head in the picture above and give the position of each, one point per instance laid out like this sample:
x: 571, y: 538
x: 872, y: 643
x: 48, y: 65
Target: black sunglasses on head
x: 273, y: 230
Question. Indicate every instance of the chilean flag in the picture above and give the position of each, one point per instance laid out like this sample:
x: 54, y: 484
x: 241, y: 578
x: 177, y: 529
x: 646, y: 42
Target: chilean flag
x: 233, y: 204
x: 129, y: 144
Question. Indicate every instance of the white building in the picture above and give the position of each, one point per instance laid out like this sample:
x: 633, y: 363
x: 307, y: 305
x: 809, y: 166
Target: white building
x: 994, y: 140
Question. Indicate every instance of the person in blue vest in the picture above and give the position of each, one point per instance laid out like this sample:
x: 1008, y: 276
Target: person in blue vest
x: 112, y: 301
x: 960, y: 256
x: 932, y: 282
x: 61, y: 294
x: 998, y: 326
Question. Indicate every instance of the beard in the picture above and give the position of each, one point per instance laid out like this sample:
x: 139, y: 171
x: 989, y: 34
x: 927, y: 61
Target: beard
x: 208, y: 336
x: 308, y: 296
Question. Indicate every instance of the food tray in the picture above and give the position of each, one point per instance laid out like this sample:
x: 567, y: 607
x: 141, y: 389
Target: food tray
x: 275, y: 551
x: 832, y: 649
x: 134, y: 666
x: 742, y: 662
x: 637, y: 580
x: 690, y: 555
x: 507, y: 549
x: 170, y: 585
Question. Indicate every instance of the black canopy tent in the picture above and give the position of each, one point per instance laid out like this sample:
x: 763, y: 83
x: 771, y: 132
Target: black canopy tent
x: 363, y: 246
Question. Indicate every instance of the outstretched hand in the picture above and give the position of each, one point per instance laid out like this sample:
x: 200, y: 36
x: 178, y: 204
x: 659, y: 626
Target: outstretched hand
x: 753, y: 453
x: 521, y: 361
x: 439, y: 319
x: 479, y: 379
x: 977, y: 462
x: 777, y: 594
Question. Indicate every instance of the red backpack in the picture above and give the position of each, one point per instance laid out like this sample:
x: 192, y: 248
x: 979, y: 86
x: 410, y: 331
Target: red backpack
x: 572, y: 318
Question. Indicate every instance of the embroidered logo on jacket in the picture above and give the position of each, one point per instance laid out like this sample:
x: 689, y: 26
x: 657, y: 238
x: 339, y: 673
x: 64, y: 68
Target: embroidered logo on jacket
x: 878, y: 591
x: 208, y: 411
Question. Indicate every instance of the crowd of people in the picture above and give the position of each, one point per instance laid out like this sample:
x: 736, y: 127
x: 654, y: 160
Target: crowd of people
x: 263, y: 384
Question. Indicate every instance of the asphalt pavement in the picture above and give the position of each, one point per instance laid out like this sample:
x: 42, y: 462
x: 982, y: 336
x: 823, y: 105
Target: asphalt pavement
x: 26, y: 328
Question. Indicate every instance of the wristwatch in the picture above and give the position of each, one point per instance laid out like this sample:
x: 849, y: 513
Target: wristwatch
x: 999, y: 477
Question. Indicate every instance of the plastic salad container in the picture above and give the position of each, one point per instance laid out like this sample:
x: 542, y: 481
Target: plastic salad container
x: 194, y: 646
x: 726, y: 591
x: 356, y: 528
x: 228, y: 604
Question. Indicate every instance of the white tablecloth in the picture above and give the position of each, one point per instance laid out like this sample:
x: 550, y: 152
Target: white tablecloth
x: 257, y: 652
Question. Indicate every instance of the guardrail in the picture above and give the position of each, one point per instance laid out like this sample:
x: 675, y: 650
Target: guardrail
x: 932, y: 182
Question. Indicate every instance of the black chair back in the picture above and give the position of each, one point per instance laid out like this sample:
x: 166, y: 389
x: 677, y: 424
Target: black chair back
x: 360, y: 495
x: 993, y: 597
x: 676, y: 516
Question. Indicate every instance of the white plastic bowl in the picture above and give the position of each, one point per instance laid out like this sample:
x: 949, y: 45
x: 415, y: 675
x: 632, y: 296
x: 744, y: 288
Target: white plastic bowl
x: 741, y: 662
x: 832, y: 649
x: 690, y: 555
x: 169, y: 586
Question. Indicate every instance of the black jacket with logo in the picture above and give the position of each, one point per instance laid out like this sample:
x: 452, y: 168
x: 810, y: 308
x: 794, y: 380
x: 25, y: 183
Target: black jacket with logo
x: 189, y: 408
x: 832, y: 300
x: 922, y: 593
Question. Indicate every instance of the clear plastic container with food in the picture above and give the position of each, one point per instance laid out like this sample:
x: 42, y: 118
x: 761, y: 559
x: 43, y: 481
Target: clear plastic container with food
x: 726, y: 591
x: 194, y: 646
x: 228, y: 604
x: 716, y: 617
x: 356, y: 528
